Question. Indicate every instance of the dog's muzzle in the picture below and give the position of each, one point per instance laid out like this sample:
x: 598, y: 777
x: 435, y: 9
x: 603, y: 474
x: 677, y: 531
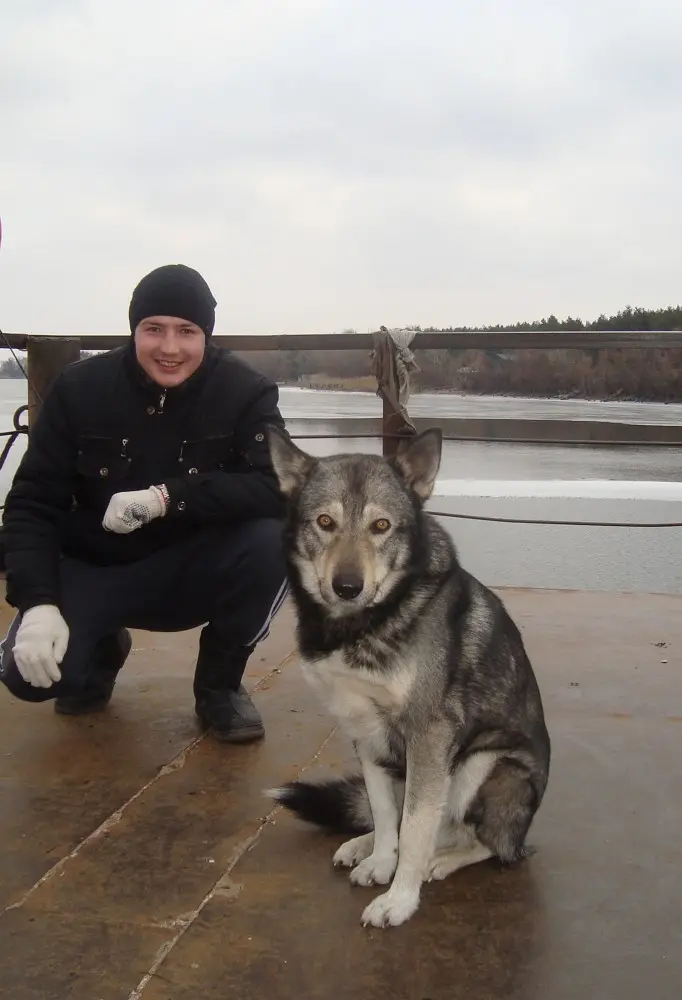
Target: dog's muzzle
x: 347, y: 585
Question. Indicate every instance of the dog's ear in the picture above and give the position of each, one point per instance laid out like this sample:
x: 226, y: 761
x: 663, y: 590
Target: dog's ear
x: 291, y: 465
x: 417, y: 460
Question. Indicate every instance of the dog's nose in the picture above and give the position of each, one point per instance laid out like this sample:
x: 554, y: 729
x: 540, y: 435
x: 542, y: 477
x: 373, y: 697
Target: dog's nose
x: 347, y: 585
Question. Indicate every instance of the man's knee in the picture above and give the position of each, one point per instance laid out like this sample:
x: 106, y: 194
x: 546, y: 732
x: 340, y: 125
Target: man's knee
x: 263, y: 544
x: 253, y: 557
x: 21, y: 689
x: 253, y: 586
x: 9, y: 672
x: 75, y: 667
x: 261, y: 571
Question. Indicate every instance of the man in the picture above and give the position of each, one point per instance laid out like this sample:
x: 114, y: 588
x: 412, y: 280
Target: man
x: 146, y: 499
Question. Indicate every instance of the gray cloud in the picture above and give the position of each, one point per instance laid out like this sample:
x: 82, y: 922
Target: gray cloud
x: 333, y: 163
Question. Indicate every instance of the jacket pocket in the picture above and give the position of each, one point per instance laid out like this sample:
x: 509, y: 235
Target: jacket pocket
x: 102, y: 458
x: 255, y: 452
x: 207, y: 454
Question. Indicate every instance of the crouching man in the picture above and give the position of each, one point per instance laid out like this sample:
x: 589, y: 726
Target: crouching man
x: 146, y: 499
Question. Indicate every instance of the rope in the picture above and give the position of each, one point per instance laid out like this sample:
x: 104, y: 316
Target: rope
x: 521, y: 520
x: 497, y: 440
x: 570, y: 524
x: 12, y: 436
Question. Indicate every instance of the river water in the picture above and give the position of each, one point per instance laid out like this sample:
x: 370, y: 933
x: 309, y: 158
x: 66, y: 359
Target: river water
x: 605, y: 483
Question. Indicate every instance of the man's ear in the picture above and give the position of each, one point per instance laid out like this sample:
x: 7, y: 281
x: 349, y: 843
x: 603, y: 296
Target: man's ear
x: 291, y: 465
x: 417, y: 460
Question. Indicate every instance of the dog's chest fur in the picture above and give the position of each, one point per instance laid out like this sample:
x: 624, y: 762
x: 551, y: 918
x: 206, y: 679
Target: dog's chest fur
x: 361, y: 699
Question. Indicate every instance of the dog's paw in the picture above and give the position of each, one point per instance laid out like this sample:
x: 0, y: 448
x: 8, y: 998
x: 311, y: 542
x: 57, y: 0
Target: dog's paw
x: 375, y: 870
x: 354, y: 851
x: 391, y: 909
x: 440, y: 868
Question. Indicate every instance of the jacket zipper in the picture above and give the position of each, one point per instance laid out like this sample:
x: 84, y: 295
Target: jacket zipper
x: 162, y: 400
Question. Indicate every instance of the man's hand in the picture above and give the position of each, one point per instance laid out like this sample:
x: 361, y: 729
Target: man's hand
x: 128, y: 511
x: 40, y: 645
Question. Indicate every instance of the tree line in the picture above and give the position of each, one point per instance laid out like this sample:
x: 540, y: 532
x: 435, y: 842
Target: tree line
x: 635, y: 373
x: 638, y: 374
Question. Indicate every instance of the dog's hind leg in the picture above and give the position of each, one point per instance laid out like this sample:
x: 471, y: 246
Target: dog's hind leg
x: 445, y: 863
x: 457, y: 845
x: 465, y: 785
x: 503, y: 810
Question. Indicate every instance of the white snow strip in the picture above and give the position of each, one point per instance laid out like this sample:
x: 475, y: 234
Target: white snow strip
x: 592, y: 489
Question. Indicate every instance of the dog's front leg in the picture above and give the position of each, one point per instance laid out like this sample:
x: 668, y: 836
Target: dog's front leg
x: 425, y: 791
x: 378, y: 868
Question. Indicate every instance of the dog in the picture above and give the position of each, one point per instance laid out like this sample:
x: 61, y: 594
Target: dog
x: 421, y: 665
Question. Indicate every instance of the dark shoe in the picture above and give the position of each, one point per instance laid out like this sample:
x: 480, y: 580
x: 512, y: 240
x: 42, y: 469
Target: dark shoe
x: 110, y: 655
x: 230, y: 716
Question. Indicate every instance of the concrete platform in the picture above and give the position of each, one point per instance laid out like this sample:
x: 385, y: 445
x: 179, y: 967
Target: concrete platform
x: 140, y: 860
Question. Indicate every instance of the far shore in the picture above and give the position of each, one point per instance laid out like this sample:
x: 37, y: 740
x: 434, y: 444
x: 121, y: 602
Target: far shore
x: 367, y: 384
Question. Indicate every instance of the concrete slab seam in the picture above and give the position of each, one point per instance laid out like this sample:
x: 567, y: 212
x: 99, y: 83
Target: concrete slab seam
x: 111, y: 821
x: 184, y: 923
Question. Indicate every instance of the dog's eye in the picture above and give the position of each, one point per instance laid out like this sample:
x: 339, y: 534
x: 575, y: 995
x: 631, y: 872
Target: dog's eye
x: 382, y: 525
x: 325, y: 522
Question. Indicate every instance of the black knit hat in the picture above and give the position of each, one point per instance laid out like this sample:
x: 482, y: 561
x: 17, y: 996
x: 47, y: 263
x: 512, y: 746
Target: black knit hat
x: 173, y: 290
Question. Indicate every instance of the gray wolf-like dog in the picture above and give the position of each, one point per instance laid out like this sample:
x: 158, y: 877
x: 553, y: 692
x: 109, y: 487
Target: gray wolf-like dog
x: 421, y: 665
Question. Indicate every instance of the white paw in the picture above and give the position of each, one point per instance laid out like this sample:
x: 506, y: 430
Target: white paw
x: 391, y: 909
x: 375, y: 870
x: 353, y: 851
x: 440, y: 869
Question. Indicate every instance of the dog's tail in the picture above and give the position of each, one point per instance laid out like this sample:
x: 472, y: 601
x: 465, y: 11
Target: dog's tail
x: 340, y: 805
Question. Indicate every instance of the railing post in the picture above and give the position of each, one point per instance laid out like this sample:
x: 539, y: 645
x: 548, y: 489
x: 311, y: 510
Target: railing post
x: 47, y: 356
x: 391, y: 367
x: 392, y: 423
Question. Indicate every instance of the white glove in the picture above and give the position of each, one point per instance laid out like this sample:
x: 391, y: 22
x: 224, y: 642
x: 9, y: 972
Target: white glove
x: 128, y: 511
x: 40, y: 645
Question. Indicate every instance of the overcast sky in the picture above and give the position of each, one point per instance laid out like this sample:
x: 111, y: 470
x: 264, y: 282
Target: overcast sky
x: 330, y: 164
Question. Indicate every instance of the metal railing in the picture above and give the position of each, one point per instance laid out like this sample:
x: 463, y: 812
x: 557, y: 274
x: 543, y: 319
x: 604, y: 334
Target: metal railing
x: 13, y: 435
x: 461, y: 340
x: 47, y: 354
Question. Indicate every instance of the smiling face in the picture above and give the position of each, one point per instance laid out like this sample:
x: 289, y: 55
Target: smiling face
x: 169, y: 349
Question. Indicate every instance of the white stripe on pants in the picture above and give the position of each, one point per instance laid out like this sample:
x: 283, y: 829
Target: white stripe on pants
x: 280, y: 597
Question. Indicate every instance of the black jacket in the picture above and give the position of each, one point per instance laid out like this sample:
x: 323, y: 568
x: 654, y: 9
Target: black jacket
x: 105, y: 428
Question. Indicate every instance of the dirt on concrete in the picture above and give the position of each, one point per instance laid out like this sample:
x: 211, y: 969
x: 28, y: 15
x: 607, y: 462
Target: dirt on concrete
x: 141, y: 861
